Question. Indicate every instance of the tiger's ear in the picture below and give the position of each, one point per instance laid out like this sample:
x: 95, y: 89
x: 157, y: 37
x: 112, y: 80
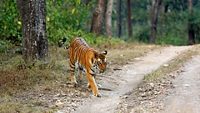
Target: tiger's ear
x: 104, y: 52
x: 96, y: 55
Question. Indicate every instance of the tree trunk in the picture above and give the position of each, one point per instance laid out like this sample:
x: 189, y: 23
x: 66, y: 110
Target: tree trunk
x: 35, y: 44
x: 129, y: 18
x: 154, y: 19
x: 97, y: 18
x: 109, y: 18
x: 191, y: 32
x: 119, y: 19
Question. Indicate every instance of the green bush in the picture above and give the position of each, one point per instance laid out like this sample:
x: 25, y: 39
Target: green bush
x: 196, y: 23
x: 64, y: 18
x: 172, y: 40
x: 91, y: 38
x: 142, y: 34
x: 4, y: 45
x: 172, y: 28
x: 10, y: 26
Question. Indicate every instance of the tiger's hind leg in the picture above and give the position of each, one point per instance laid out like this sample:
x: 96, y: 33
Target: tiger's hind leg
x: 72, y: 75
x: 80, y: 73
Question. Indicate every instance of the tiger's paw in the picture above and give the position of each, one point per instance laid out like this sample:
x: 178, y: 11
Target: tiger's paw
x: 97, y: 95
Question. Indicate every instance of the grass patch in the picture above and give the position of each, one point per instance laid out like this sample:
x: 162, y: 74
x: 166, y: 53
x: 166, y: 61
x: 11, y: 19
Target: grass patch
x: 126, y: 53
x: 174, y: 64
x: 20, y: 86
x: 16, y: 107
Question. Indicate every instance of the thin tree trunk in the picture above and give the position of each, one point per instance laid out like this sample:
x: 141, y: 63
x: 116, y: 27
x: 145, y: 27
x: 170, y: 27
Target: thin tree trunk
x: 109, y: 18
x: 129, y: 18
x: 35, y: 44
x: 97, y: 18
x: 119, y: 19
x: 154, y: 19
x: 191, y: 32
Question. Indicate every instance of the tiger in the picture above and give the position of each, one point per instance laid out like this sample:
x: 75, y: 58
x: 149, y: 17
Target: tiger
x: 87, y: 58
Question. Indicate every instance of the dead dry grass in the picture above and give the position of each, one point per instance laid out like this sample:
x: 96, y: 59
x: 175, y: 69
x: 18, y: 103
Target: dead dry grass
x: 126, y: 53
x: 33, y: 89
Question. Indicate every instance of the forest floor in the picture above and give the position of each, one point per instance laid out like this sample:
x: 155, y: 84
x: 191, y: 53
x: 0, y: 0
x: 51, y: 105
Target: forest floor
x: 139, y: 79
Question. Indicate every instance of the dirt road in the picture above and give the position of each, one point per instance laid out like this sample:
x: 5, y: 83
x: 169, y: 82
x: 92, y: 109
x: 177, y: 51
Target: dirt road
x: 185, y: 97
x: 125, y: 79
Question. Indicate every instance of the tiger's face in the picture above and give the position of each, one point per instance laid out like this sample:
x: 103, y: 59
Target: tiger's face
x: 101, y: 61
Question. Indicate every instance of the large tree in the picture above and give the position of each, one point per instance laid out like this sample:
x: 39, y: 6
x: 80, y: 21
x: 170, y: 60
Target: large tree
x: 97, y: 19
x: 155, y: 7
x: 109, y: 18
x: 35, y: 44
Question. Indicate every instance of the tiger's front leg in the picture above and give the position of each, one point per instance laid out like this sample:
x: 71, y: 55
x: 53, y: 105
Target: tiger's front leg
x: 92, y: 84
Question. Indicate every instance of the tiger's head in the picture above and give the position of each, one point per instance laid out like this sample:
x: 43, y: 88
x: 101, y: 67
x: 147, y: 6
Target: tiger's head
x: 101, y: 61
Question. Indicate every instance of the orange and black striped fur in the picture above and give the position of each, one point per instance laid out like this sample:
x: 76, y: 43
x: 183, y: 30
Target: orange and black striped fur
x: 87, y: 58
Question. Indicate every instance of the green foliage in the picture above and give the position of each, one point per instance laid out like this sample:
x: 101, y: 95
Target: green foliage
x: 140, y: 11
x: 4, y: 45
x: 172, y: 21
x: 195, y: 21
x: 10, y: 26
x: 173, y: 25
x: 91, y: 38
x: 172, y: 40
x: 142, y: 33
x: 140, y: 18
x: 101, y: 40
x: 172, y: 28
x: 65, y: 17
x: 72, y: 18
